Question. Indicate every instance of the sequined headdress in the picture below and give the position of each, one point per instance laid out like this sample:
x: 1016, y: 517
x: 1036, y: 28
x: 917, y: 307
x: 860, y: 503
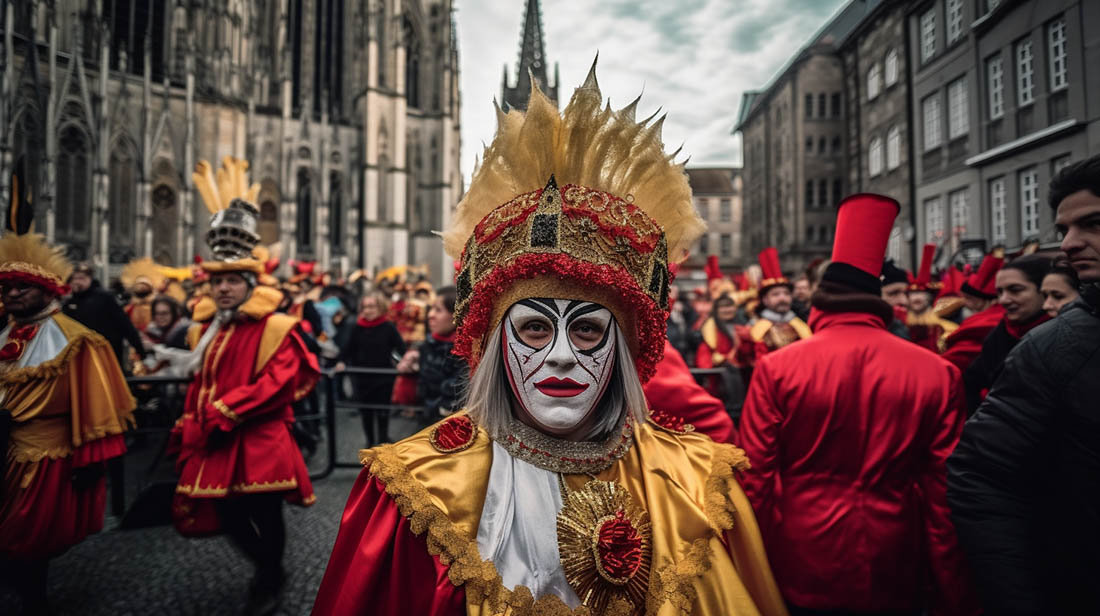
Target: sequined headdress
x: 28, y: 258
x: 582, y: 204
x: 234, y: 218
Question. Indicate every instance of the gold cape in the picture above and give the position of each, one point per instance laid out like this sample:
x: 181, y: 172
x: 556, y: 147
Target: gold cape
x: 686, y: 482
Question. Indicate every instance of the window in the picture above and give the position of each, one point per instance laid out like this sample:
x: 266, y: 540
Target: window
x: 837, y: 191
x: 122, y: 193
x: 927, y: 35
x: 874, y: 77
x: 1025, y: 74
x: 809, y: 194
x: 958, y: 119
x: 991, y: 4
x: 998, y: 209
x: 893, y: 148
x: 725, y: 245
x: 704, y: 211
x: 960, y: 212
x: 821, y: 145
x: 810, y: 230
x: 704, y: 244
x: 836, y: 145
x: 891, y: 67
x: 725, y: 213
x: 809, y: 105
x: 893, y: 246
x: 874, y: 157
x: 73, y: 196
x: 836, y: 104
x: 821, y: 112
x: 1056, y: 37
x: 823, y: 193
x: 336, y: 218
x: 933, y: 219
x: 1029, y: 203
x: 933, y: 122
x: 954, y: 20
x: 1060, y: 163
x: 994, y: 73
x: 809, y: 145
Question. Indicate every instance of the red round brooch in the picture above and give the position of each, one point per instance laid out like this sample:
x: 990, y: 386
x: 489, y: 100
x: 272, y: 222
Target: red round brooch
x: 453, y: 434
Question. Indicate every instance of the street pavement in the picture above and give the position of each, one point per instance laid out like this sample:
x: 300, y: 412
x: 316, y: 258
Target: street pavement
x: 156, y: 571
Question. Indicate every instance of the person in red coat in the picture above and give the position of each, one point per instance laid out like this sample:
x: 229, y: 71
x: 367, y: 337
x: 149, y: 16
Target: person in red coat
x: 962, y: 346
x: 848, y: 433
x: 672, y: 387
x: 237, y: 458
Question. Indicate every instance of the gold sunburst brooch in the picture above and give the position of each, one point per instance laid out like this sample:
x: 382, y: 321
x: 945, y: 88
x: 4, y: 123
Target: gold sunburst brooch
x: 604, y: 545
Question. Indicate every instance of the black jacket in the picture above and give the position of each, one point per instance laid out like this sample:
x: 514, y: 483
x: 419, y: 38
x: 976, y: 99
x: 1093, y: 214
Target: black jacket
x: 442, y: 376
x: 97, y: 309
x: 379, y: 346
x: 1024, y: 480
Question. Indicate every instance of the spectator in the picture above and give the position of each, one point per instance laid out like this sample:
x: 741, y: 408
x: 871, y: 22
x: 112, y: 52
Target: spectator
x: 1018, y: 285
x: 371, y: 341
x: 895, y: 287
x: 96, y: 308
x: 442, y: 374
x: 800, y: 302
x: 1024, y: 482
x: 1060, y: 287
x: 169, y: 326
x: 681, y: 319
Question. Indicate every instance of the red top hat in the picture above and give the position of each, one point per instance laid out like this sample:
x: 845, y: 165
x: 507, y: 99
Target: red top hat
x: 712, y: 269
x: 951, y: 283
x: 923, y: 281
x: 773, y: 274
x: 863, y: 224
x: 983, y: 283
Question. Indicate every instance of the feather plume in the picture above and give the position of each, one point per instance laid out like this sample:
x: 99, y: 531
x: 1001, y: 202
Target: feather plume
x: 230, y: 181
x: 142, y: 268
x: 588, y: 144
x: 32, y: 249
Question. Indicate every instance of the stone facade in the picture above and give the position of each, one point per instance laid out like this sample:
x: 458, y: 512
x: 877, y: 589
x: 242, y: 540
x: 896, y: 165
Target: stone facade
x: 347, y: 110
x: 717, y: 193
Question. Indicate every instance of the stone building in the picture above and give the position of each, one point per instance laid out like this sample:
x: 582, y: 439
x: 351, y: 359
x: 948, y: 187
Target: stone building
x: 793, y: 144
x: 532, y: 62
x: 879, y: 133
x: 717, y: 194
x: 348, y: 111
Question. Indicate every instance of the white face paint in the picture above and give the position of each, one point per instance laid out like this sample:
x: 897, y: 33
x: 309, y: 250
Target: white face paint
x: 559, y: 354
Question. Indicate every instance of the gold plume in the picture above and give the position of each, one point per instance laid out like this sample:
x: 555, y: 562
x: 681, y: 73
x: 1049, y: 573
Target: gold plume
x: 230, y: 182
x: 139, y: 269
x: 29, y: 253
x: 590, y: 145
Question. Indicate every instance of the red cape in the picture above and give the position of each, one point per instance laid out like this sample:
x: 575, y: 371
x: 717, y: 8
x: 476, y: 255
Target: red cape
x: 674, y: 391
x: 965, y: 343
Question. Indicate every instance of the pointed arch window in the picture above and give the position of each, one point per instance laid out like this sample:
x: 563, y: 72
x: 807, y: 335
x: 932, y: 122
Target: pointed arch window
x: 74, y: 185
x: 122, y: 193
x: 336, y: 212
x: 305, y: 211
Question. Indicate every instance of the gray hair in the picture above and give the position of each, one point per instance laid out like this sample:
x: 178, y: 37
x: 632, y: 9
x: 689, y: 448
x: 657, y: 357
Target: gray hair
x: 490, y: 399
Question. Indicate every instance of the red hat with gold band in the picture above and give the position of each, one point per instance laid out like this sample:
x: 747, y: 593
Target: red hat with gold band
x: 923, y: 281
x: 773, y: 273
x: 28, y: 259
x: 584, y: 204
x: 983, y: 283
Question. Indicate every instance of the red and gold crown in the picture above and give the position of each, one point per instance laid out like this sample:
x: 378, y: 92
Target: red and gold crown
x: 28, y: 258
x: 583, y: 204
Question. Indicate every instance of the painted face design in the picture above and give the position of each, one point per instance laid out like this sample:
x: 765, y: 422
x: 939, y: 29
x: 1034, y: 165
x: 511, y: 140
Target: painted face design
x: 559, y: 355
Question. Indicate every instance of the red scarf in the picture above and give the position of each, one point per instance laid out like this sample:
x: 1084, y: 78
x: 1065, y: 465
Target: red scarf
x: 17, y: 341
x: 444, y: 338
x: 1017, y: 330
x: 361, y: 322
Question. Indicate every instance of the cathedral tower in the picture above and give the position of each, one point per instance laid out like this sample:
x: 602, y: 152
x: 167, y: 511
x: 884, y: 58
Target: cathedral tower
x: 532, y: 61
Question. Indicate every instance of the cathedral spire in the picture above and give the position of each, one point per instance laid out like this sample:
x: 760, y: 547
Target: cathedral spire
x: 532, y: 62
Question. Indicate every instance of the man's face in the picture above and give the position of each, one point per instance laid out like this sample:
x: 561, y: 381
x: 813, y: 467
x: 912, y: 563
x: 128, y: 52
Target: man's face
x: 778, y: 299
x: 895, y: 294
x: 230, y: 289
x: 22, y: 299
x: 80, y: 282
x: 559, y: 355
x: 919, y: 301
x: 1078, y: 220
x: 802, y: 290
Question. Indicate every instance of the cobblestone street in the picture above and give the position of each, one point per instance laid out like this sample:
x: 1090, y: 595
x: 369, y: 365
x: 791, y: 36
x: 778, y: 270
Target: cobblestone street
x: 156, y: 571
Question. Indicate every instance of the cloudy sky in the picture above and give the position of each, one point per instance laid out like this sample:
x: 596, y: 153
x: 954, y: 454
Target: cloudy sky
x: 692, y: 58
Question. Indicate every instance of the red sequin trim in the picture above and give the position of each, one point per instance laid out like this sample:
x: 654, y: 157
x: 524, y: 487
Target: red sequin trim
x: 453, y: 434
x: 619, y: 547
x: 650, y: 319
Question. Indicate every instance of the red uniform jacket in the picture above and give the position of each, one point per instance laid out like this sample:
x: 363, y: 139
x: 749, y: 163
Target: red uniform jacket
x: 673, y: 388
x: 848, y: 433
x: 965, y: 343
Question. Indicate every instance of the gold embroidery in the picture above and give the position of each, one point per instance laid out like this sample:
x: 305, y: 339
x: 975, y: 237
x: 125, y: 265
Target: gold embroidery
x: 225, y: 410
x: 716, y: 502
x: 243, y: 488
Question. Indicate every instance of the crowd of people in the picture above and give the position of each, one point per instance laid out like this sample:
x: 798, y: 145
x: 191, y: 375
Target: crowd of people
x: 862, y: 439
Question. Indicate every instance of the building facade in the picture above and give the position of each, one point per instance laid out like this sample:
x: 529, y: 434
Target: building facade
x: 717, y: 194
x: 347, y: 111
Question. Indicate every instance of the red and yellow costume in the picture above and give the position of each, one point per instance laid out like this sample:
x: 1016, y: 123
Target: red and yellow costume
x: 928, y: 329
x: 962, y: 346
x: 70, y: 405
x: 142, y: 271
x: 669, y: 530
x: 766, y: 335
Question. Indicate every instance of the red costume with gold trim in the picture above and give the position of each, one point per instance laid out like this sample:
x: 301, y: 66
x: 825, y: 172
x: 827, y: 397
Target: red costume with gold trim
x: 927, y: 329
x: 962, y: 346
x: 766, y: 335
x: 70, y: 405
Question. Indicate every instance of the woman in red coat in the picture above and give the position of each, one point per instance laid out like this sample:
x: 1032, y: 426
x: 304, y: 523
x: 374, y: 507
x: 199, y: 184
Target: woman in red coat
x: 848, y: 433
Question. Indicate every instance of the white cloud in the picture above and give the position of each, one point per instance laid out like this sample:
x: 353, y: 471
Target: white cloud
x: 692, y: 58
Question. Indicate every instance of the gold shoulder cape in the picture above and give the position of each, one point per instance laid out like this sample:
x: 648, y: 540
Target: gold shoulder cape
x: 707, y: 555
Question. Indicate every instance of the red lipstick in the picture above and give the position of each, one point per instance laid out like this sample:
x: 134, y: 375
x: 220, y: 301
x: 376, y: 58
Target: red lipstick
x: 560, y: 388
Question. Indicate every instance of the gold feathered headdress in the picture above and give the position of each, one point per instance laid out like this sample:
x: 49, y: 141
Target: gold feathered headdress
x: 142, y: 270
x: 583, y: 204
x: 28, y: 258
x: 233, y: 225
